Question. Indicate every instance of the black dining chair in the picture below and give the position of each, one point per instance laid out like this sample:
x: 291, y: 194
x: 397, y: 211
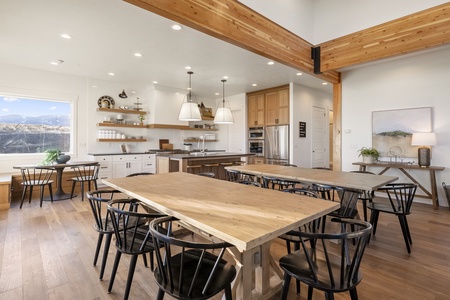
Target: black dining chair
x: 328, y: 261
x: 207, y: 174
x: 348, y: 198
x: 98, y: 201
x: 187, y: 269
x: 365, y: 196
x: 400, y: 199
x: 308, y: 227
x: 36, y: 176
x: 132, y: 236
x: 85, y: 173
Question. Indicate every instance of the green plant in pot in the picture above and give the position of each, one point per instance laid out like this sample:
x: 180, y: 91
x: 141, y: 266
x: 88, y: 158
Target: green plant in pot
x: 55, y: 155
x: 369, y: 155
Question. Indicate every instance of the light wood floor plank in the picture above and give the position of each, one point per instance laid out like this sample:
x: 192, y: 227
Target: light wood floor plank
x: 47, y: 253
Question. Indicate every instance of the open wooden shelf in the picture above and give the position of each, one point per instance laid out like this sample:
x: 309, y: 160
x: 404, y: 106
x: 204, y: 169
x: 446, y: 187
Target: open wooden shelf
x: 123, y: 111
x: 199, y: 140
x: 121, y: 140
x: 121, y: 125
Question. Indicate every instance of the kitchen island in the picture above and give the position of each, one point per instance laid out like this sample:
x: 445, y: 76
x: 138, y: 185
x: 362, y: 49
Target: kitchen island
x: 197, y: 162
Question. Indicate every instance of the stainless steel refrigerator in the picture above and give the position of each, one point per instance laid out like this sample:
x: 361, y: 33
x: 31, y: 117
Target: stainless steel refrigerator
x: 277, y: 144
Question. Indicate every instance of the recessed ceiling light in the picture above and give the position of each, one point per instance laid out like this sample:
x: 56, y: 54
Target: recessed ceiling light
x: 324, y: 83
x: 66, y: 36
x: 187, y: 68
x: 177, y: 27
x: 133, y: 92
x: 94, y: 86
x: 299, y: 74
x: 254, y: 84
x: 111, y: 74
x: 225, y: 77
x: 58, y: 62
x: 217, y: 94
x: 270, y: 63
x: 155, y: 82
x: 137, y: 54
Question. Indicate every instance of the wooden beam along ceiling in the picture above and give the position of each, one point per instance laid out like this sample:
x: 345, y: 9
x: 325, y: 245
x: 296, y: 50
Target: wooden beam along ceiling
x: 233, y: 22
x: 415, y: 32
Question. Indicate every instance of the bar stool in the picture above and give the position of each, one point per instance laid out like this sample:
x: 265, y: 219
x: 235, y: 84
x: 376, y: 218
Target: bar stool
x: 194, y: 169
x: 213, y: 168
x: 222, y: 172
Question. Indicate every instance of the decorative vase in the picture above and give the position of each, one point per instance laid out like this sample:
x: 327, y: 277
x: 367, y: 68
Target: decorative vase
x: 367, y: 159
x: 62, y: 158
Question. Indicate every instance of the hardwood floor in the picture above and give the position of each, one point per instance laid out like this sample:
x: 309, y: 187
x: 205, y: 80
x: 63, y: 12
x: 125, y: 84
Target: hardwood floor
x: 47, y: 253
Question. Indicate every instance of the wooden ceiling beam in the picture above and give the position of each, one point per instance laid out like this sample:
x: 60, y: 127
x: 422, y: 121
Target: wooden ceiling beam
x: 233, y: 22
x: 419, y: 31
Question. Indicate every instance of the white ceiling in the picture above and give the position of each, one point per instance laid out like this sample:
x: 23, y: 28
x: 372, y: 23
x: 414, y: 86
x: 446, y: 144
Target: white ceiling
x: 106, y: 34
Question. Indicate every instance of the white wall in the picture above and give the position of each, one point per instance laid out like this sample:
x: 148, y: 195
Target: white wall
x: 303, y: 100
x: 421, y: 80
x: 295, y: 15
x: 336, y: 18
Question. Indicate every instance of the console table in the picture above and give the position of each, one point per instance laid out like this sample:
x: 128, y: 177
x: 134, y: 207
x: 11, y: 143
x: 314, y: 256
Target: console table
x: 403, y: 167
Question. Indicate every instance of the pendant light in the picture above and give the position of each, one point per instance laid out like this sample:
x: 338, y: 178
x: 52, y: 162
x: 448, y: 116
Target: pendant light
x: 189, y: 110
x: 223, y: 112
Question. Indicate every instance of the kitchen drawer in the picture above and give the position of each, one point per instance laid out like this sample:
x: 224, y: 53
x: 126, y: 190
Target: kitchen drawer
x: 100, y: 159
x: 120, y: 158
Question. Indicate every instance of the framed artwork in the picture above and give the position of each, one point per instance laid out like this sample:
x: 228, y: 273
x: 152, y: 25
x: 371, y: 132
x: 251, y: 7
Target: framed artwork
x: 392, y: 130
x: 302, y: 129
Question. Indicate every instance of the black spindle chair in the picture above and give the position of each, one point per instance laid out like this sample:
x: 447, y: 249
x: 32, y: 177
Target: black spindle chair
x: 188, y: 269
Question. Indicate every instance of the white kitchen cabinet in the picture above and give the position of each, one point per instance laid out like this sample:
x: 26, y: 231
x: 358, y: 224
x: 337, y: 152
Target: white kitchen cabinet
x: 124, y: 165
x: 149, y: 163
x: 105, y: 162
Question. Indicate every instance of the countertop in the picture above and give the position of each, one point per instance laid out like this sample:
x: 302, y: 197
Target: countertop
x: 206, y: 155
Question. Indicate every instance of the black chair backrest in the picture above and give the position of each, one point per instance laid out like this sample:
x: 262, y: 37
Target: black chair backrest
x: 348, y: 199
x: 188, y: 269
x: 302, y: 191
x: 331, y: 259
x: 325, y: 191
x: 86, y: 172
x: 207, y: 174
x: 401, y: 196
x: 249, y: 182
x: 139, y: 174
x: 36, y: 175
x: 132, y: 237
x: 98, y: 201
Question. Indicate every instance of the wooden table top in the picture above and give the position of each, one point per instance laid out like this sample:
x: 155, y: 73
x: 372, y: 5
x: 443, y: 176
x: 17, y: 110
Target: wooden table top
x: 360, y: 181
x: 245, y: 216
x: 67, y: 164
x: 398, y: 166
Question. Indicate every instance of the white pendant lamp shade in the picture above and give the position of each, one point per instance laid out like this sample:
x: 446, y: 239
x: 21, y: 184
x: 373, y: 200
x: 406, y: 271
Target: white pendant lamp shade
x: 223, y: 112
x: 189, y: 110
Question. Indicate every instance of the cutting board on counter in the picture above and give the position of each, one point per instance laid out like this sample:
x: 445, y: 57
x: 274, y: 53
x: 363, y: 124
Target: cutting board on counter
x: 165, y: 145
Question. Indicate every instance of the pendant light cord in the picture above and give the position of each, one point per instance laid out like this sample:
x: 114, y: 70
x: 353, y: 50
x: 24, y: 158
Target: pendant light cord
x: 223, y: 92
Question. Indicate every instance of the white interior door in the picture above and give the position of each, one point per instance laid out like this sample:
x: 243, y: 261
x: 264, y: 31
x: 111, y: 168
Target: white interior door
x: 319, y: 138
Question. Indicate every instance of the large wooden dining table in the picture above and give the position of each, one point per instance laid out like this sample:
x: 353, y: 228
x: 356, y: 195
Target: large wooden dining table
x: 359, y: 181
x: 248, y: 217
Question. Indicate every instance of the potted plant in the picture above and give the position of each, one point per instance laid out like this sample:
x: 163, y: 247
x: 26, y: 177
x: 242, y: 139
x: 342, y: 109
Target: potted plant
x: 369, y: 155
x: 141, y: 119
x: 54, y: 155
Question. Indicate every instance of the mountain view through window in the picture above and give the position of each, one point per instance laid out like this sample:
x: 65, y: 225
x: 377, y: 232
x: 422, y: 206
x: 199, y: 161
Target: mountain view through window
x: 33, y: 126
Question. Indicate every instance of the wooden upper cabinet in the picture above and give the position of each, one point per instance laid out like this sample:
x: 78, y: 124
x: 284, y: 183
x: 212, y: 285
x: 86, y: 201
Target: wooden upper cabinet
x: 277, y: 107
x: 256, y: 110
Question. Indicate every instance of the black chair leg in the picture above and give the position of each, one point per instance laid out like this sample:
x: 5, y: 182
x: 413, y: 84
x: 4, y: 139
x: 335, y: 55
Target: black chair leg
x: 160, y: 295
x: 310, y: 292
x: 364, y: 204
x: 353, y: 294
x: 228, y: 293
x: 73, y: 189
x: 407, y: 230
x: 404, y: 231
x: 31, y: 194
x: 287, y: 281
x: 41, y: 195
x: 105, y: 255
x: 51, y: 192
x: 114, y: 270
x: 144, y: 257
x: 82, y: 191
x: 130, y: 276
x: 152, y: 261
x: 23, y: 195
x: 329, y: 296
x: 97, y: 249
